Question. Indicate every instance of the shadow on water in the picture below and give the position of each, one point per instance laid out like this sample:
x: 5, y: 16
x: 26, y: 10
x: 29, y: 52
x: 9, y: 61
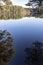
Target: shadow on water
x: 6, y: 47
x: 34, y: 55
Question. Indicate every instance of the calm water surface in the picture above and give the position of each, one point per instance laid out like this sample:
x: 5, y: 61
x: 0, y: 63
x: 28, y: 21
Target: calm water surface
x: 25, y: 31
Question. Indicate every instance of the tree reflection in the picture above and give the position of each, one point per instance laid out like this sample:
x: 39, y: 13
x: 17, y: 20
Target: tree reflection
x: 6, y: 47
x: 34, y: 55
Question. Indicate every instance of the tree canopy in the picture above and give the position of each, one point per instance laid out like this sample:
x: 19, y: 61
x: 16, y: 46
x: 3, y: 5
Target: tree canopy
x: 34, y: 54
x: 36, y: 2
x: 6, y: 47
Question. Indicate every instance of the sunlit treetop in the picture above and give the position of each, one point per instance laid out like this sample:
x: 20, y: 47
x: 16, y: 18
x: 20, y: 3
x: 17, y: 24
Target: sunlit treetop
x: 7, y: 2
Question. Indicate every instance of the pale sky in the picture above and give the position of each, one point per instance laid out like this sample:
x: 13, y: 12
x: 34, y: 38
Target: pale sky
x: 20, y: 2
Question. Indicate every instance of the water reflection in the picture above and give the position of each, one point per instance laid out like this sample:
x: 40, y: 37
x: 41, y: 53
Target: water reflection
x: 6, y: 47
x: 34, y: 55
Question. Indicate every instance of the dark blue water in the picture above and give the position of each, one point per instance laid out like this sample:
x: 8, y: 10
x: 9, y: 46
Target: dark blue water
x: 24, y: 31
